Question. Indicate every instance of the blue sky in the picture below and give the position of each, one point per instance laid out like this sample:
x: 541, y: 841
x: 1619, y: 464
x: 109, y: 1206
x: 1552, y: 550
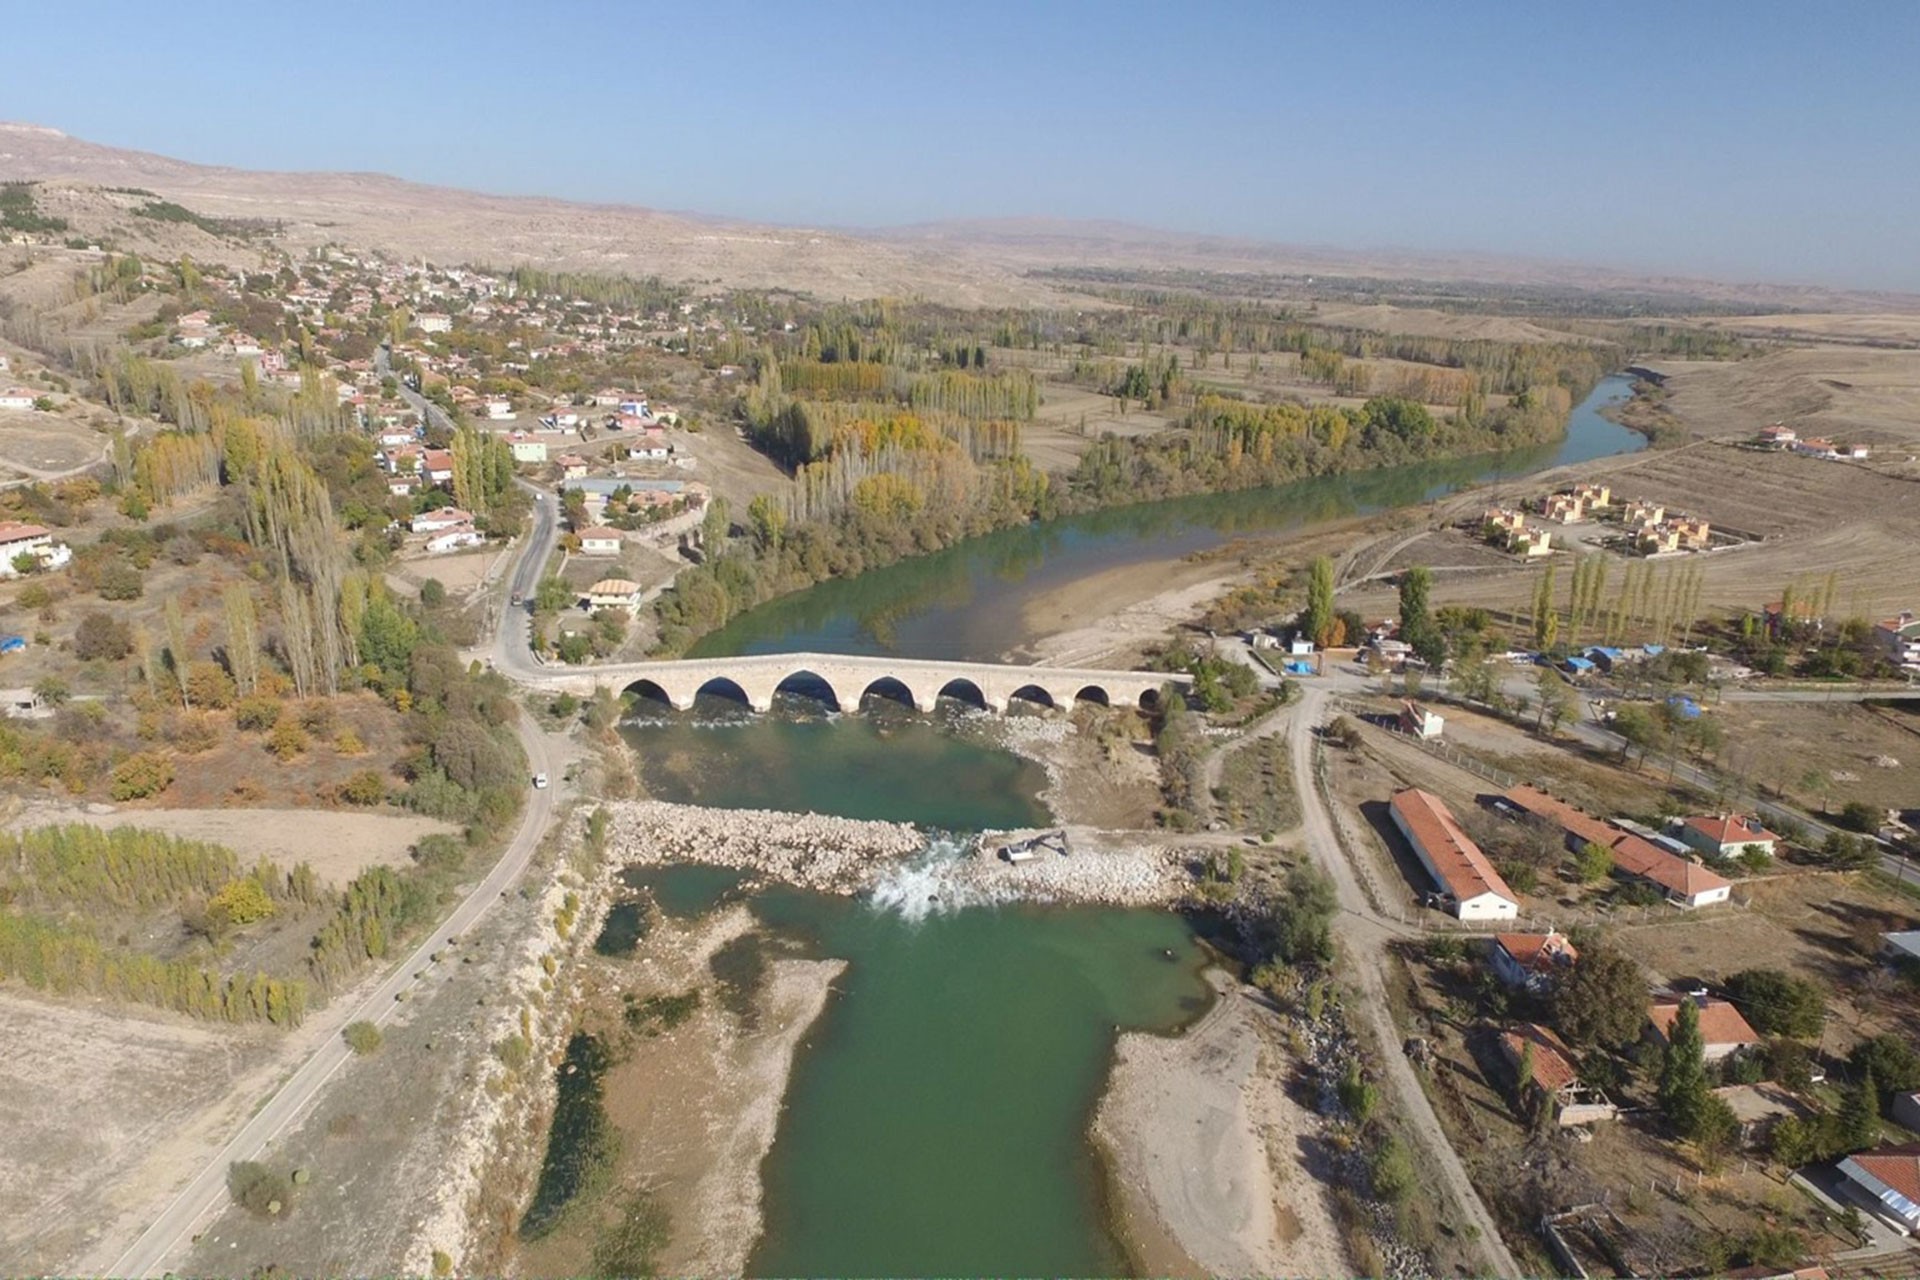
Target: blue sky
x: 1751, y: 140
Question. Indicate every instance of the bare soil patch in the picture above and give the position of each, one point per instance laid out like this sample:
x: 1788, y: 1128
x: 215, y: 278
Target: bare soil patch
x: 1870, y: 754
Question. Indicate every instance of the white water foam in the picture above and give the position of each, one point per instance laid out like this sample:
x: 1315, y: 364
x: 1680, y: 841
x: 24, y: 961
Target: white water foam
x: 932, y: 882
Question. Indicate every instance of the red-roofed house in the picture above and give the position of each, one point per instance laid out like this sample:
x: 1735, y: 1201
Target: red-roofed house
x: 1727, y: 835
x: 1554, y: 1078
x: 17, y: 539
x: 1683, y: 880
x: 438, y: 464
x: 1722, y: 1029
x: 16, y: 398
x: 444, y: 518
x: 1474, y: 889
x: 1887, y: 1181
x: 597, y: 540
x: 1531, y: 960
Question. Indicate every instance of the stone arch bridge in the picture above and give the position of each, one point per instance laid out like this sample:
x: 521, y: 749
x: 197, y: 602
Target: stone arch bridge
x: 845, y: 679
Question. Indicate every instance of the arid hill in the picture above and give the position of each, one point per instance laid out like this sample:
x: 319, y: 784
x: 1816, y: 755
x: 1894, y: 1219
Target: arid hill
x: 962, y: 262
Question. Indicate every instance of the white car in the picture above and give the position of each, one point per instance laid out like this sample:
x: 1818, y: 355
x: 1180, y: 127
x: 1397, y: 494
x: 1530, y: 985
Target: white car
x: 539, y: 782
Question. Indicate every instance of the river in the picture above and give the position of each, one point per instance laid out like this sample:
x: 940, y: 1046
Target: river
x: 936, y: 1122
x: 968, y: 602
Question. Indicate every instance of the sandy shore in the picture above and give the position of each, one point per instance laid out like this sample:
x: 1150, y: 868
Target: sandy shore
x: 1205, y: 1152
x: 1111, y: 616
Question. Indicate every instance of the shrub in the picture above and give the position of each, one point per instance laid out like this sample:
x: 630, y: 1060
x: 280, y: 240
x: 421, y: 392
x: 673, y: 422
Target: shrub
x: 195, y: 734
x: 118, y: 580
x: 258, y: 1189
x: 317, y: 717
x: 208, y: 685
x: 348, y: 743
x: 52, y: 690
x: 259, y: 712
x: 362, y: 1037
x: 364, y: 788
x: 433, y: 593
x: 101, y: 635
x: 287, y: 740
x: 440, y: 852
x: 1857, y: 815
x: 141, y: 775
x: 1392, y: 1169
x: 241, y: 901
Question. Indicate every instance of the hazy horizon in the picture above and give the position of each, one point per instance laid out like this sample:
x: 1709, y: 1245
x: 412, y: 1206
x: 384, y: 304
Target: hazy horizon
x: 1756, y: 142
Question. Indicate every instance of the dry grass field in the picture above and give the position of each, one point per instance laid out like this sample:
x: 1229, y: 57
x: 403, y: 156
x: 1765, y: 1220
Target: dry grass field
x: 104, y: 1109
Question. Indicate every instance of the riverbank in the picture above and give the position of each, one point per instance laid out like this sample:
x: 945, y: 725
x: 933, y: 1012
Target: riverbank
x: 899, y: 865
x: 1207, y: 1152
x: 692, y: 1097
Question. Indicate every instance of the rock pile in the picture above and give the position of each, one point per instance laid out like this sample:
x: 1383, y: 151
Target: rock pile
x: 813, y: 851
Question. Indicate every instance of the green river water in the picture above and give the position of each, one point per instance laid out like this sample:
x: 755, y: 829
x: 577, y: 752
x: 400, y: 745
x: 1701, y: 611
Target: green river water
x: 936, y: 1119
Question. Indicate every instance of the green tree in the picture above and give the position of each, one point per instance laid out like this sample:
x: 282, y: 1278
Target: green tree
x: 1682, y: 1091
x: 1416, y: 615
x: 1602, y: 1000
x: 1777, y: 1003
x: 241, y: 901
x: 362, y: 1037
x: 1321, y: 624
x: 1594, y: 862
x: 1858, y: 1124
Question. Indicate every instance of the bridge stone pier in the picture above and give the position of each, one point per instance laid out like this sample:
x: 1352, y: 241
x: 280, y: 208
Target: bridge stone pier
x: 846, y: 679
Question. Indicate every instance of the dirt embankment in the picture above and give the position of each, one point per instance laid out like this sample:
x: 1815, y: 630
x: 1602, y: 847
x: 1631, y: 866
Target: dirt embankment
x: 1205, y: 1148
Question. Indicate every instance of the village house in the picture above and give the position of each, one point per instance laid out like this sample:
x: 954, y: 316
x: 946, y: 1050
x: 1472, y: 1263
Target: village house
x: 1535, y: 1052
x: 614, y: 593
x: 1563, y: 508
x: 1899, y: 638
x: 499, y: 409
x: 16, y: 398
x: 1419, y: 721
x: 444, y: 518
x: 433, y: 322
x: 573, y: 466
x: 1886, y: 1181
x: 650, y: 451
x: 1777, y: 436
x: 438, y: 465
x: 1594, y: 497
x: 1683, y: 881
x: 597, y: 540
x: 454, y: 540
x: 17, y: 539
x: 1531, y: 961
x: 1473, y: 889
x: 561, y: 420
x: 1644, y: 511
x: 1726, y: 835
x: 1722, y: 1030
x: 526, y: 449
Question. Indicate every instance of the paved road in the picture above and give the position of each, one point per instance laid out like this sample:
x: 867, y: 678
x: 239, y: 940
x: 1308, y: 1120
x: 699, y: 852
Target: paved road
x: 208, y: 1190
x: 1367, y: 936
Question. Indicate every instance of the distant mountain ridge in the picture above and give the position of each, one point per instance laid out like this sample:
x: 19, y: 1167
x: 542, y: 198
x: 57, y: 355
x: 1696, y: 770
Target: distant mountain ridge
x: 964, y: 262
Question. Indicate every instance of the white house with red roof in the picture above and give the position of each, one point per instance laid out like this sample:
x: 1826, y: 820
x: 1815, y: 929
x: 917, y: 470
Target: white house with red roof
x: 1723, y: 1030
x: 1473, y: 889
x: 444, y: 518
x: 1886, y: 1180
x: 1726, y: 835
x: 17, y: 539
x: 598, y: 540
x: 16, y: 398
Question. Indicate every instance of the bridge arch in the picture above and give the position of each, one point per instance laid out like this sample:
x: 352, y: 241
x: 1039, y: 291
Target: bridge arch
x: 649, y: 691
x: 893, y: 689
x: 1032, y: 693
x: 1093, y: 693
x: 725, y: 687
x: 961, y: 689
x: 809, y: 684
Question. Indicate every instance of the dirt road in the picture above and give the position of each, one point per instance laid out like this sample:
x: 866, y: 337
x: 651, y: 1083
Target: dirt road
x: 1365, y: 935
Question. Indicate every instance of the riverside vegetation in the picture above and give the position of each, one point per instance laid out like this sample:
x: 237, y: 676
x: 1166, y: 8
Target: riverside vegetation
x: 903, y: 437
